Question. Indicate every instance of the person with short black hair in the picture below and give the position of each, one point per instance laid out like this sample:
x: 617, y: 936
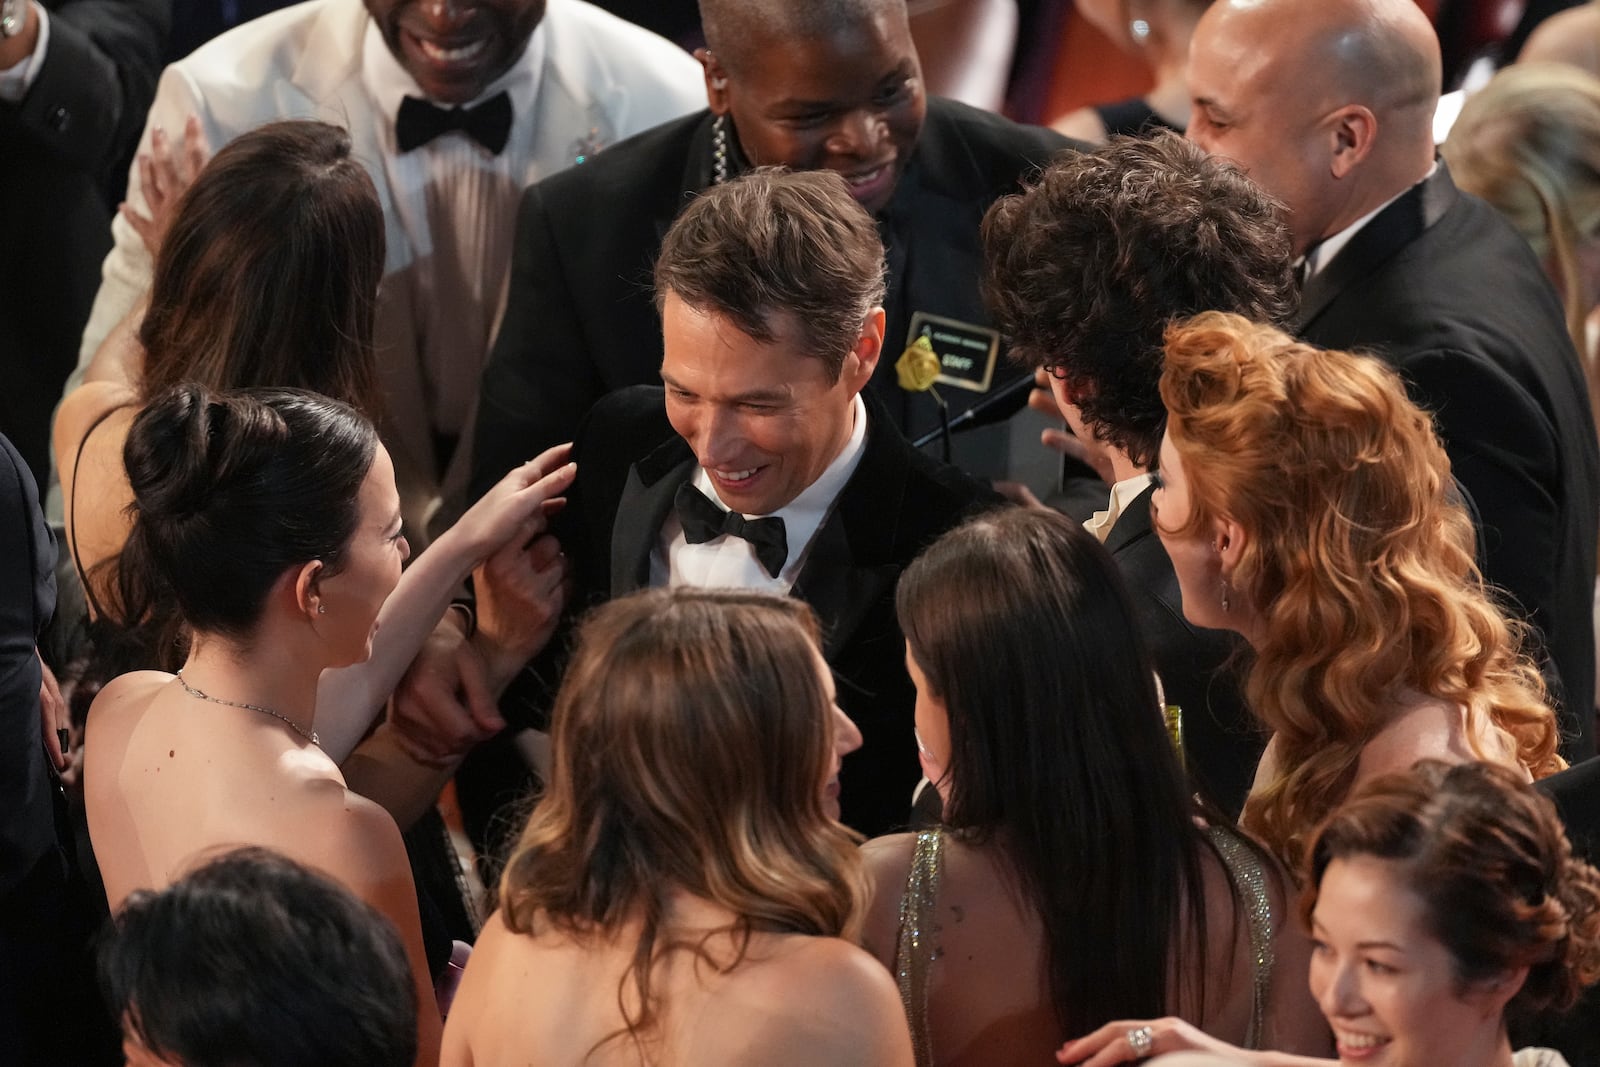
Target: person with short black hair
x: 253, y: 960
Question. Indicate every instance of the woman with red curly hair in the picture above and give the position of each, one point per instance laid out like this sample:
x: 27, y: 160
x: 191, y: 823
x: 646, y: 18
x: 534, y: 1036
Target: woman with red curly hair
x: 1307, y: 505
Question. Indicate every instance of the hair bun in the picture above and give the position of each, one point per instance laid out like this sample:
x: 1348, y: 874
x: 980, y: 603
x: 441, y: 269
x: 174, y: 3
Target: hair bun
x: 189, y: 443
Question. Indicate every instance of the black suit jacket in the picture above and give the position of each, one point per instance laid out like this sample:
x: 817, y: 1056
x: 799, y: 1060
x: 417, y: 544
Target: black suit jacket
x: 630, y: 464
x: 62, y: 146
x: 1443, y: 289
x: 580, y: 319
x: 1222, y: 743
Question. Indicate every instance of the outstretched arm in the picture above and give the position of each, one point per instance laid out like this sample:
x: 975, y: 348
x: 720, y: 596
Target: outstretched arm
x: 348, y: 698
x: 1119, y: 1042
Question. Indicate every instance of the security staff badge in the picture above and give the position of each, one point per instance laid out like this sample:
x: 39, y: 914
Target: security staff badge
x: 967, y: 352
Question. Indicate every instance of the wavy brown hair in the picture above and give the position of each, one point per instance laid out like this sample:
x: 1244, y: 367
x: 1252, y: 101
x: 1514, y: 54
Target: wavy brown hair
x: 692, y: 735
x: 1487, y: 855
x: 1359, y: 561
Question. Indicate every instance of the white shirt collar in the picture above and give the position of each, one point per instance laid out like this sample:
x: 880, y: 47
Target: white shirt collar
x: 730, y: 561
x: 387, y: 81
x: 1121, y: 494
x: 1322, y: 253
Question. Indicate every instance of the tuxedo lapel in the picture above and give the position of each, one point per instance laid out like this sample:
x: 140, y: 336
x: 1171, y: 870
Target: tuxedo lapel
x: 851, y: 563
x: 642, y: 509
x: 332, y: 56
x: 1395, y: 227
x: 1133, y: 524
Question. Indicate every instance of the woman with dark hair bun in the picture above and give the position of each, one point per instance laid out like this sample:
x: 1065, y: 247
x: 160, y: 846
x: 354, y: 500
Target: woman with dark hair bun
x: 272, y: 519
x: 1444, y: 905
x: 1074, y: 876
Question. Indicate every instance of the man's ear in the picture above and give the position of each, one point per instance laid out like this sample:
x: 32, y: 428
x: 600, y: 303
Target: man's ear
x: 716, y: 81
x: 863, y: 358
x: 1352, y: 131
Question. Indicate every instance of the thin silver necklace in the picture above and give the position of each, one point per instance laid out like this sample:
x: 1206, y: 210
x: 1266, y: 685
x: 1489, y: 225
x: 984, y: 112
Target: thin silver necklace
x: 296, y: 727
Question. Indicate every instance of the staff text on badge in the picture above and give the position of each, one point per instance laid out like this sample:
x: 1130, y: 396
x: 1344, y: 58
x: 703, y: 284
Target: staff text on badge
x: 967, y: 352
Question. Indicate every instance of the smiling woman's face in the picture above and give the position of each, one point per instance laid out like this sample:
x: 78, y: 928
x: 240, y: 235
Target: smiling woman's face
x: 1387, y: 986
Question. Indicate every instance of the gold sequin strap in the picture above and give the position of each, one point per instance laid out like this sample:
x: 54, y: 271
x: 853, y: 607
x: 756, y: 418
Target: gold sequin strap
x: 1249, y: 880
x: 914, y: 950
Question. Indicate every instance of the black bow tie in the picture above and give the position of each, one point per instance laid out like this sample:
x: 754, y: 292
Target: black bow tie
x: 704, y: 521
x: 420, y: 122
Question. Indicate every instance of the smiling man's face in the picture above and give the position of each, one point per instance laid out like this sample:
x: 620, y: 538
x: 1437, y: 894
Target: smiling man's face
x: 851, y: 101
x: 763, y: 418
x: 454, y: 49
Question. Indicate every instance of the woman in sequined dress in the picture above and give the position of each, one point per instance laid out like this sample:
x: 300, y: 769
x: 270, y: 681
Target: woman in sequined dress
x: 1073, y: 873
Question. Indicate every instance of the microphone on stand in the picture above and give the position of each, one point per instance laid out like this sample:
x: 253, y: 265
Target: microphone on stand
x: 973, y: 416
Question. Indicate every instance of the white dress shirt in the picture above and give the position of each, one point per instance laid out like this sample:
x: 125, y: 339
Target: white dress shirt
x: 1322, y: 253
x: 1122, y: 492
x: 731, y: 561
x: 457, y: 202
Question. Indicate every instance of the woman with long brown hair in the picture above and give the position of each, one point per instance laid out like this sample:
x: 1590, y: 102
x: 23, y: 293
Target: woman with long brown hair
x: 682, y: 892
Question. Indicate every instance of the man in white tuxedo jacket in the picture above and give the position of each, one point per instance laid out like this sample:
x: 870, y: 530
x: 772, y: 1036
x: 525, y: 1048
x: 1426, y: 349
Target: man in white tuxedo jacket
x: 575, y: 78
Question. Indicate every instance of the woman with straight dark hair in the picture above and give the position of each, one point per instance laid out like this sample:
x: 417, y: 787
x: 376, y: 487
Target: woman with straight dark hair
x: 683, y: 892
x: 272, y: 518
x: 1445, y: 905
x: 1073, y: 875
x: 266, y: 277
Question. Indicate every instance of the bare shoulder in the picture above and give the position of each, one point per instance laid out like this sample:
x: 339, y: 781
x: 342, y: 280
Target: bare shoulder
x: 83, y: 407
x: 357, y: 842
x: 125, y: 695
x: 830, y: 998
x: 888, y: 862
x: 1425, y: 729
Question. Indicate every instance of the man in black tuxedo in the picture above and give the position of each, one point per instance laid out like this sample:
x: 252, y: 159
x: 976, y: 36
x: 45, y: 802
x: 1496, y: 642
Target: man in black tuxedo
x: 1084, y: 271
x: 810, y: 86
x: 763, y: 464
x: 1329, y: 105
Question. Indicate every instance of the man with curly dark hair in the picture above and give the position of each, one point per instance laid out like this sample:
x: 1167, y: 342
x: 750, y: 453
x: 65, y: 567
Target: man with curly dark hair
x: 1083, y: 271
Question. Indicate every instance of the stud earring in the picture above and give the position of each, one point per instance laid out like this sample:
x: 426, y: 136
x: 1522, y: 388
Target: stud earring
x: 322, y: 609
x: 1139, y: 30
